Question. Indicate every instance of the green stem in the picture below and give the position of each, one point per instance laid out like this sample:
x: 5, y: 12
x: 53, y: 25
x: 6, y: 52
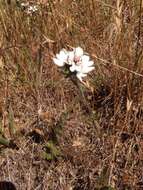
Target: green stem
x: 82, y: 98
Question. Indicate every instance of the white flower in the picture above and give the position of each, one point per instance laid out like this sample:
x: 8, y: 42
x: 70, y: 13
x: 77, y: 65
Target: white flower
x: 29, y: 9
x: 78, y: 62
x: 32, y: 9
x: 75, y: 55
x: 24, y: 4
x: 61, y: 58
x: 81, y: 64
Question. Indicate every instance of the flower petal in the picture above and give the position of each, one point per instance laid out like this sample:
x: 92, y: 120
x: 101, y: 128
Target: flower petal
x: 70, y: 57
x: 85, y: 58
x: 90, y: 63
x: 73, y: 68
x: 58, y: 62
x: 87, y: 69
x: 79, y: 68
x: 80, y: 75
x: 62, y: 55
x: 78, y: 51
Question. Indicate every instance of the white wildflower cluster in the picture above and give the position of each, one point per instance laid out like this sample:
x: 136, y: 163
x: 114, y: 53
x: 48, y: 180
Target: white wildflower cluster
x: 29, y: 9
x: 32, y: 9
x: 77, y: 62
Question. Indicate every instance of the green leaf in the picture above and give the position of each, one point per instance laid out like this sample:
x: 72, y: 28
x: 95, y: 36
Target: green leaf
x: 4, y: 141
x: 1, y: 129
x: 48, y: 156
x: 53, y: 149
x: 51, y: 152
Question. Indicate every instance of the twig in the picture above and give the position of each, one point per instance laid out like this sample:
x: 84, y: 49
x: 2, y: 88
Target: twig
x: 105, y: 62
x: 105, y: 4
x: 138, y: 37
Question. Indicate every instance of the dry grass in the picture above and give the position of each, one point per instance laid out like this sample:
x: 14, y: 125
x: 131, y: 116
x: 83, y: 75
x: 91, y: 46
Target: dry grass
x: 50, y: 138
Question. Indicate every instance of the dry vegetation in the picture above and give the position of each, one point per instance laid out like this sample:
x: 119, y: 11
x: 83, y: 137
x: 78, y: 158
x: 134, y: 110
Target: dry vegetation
x: 51, y: 137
